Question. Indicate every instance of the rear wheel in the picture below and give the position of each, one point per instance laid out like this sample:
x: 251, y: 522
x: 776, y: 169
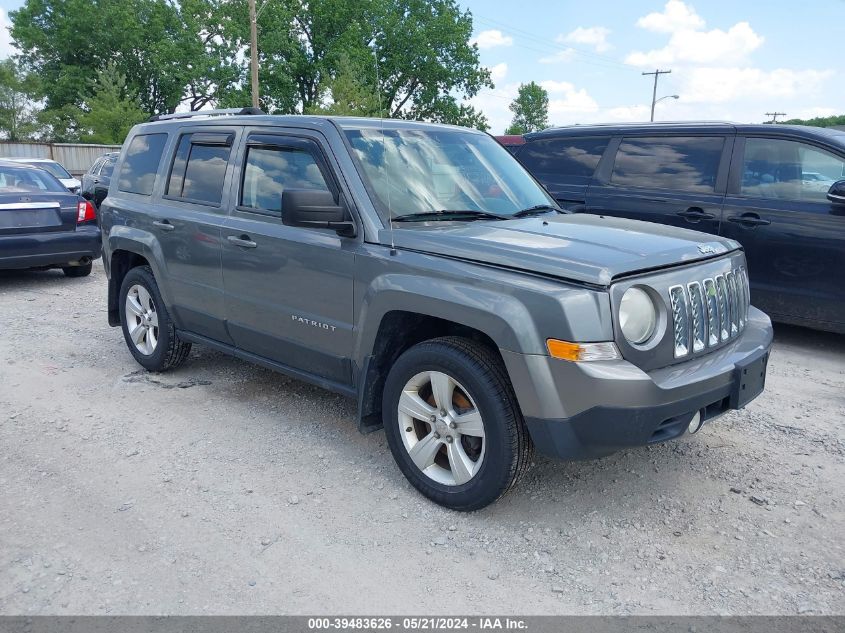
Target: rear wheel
x: 78, y: 271
x: 453, y: 423
x: 147, y: 328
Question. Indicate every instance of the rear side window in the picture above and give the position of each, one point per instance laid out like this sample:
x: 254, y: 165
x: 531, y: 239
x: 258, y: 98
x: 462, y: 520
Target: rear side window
x: 680, y: 163
x: 199, y: 167
x: 138, y: 172
x: 554, y: 159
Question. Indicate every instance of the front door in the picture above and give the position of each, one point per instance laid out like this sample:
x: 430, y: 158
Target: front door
x: 794, y: 238
x: 288, y: 289
x: 676, y: 180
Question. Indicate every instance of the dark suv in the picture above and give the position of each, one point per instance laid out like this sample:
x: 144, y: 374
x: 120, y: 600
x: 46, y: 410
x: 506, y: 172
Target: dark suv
x: 96, y: 181
x: 776, y: 189
x: 421, y: 270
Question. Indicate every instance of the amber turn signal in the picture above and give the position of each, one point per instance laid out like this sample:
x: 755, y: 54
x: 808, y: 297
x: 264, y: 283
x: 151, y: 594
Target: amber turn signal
x: 582, y: 352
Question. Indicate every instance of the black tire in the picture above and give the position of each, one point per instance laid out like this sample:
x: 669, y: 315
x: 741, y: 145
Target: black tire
x: 170, y: 351
x: 78, y: 271
x: 508, y: 448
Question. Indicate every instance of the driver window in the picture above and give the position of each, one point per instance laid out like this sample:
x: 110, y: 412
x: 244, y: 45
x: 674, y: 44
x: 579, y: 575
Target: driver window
x: 269, y: 170
x: 788, y: 170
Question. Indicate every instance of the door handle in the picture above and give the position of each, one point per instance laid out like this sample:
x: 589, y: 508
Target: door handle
x: 243, y: 241
x: 164, y: 225
x: 749, y: 220
x: 695, y: 214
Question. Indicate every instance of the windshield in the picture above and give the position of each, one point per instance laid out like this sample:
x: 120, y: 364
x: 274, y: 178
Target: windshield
x: 24, y: 180
x: 422, y: 171
x: 54, y: 168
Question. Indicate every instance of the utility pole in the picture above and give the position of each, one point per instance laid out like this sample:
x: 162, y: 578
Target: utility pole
x: 656, y: 74
x: 253, y: 33
x: 775, y: 116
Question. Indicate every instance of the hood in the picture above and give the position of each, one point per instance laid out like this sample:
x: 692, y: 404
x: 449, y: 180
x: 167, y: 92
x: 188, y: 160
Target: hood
x: 579, y: 247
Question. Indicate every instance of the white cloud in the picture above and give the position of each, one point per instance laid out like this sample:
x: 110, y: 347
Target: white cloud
x: 676, y: 16
x: 492, y: 39
x: 595, y: 36
x: 6, y: 48
x: 723, y: 85
x: 498, y: 72
x: 702, y: 47
x: 561, y: 57
x: 494, y: 104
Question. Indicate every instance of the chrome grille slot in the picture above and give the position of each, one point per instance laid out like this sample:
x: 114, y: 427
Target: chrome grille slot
x: 709, y: 312
x: 733, y: 300
x: 724, y: 311
x: 697, y: 319
x: 680, y: 319
x: 712, y: 312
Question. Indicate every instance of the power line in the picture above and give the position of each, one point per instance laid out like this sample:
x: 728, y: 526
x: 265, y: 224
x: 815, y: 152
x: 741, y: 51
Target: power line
x: 656, y: 74
x: 775, y: 116
x: 594, y: 58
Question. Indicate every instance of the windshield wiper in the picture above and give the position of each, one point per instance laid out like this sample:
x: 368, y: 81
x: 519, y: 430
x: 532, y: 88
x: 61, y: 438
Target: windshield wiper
x: 537, y: 209
x: 449, y: 214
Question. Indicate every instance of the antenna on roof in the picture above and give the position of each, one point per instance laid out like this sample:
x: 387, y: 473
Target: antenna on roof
x: 383, y: 145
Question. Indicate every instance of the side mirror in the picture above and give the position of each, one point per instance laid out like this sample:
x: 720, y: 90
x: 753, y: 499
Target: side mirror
x: 315, y: 209
x: 836, y: 193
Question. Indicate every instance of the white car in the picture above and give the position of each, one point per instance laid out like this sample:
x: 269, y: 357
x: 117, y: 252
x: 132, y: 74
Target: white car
x: 54, y: 168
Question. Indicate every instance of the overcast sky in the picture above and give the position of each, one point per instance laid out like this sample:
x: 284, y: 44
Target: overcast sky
x: 730, y: 59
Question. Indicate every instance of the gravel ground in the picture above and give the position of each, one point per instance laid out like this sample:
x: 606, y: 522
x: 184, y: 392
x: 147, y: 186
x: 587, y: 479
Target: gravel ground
x: 226, y: 488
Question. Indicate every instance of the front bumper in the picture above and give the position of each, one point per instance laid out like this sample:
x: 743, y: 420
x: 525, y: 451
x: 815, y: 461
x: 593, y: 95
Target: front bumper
x: 587, y: 410
x: 39, y: 250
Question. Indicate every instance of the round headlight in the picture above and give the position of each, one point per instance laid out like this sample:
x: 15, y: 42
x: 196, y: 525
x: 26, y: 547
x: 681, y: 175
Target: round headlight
x: 637, y: 315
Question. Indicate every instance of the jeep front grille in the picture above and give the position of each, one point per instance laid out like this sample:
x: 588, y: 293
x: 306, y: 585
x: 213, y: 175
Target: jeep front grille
x: 710, y: 312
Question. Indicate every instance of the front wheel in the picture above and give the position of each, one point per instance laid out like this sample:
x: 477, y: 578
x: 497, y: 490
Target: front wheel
x: 453, y: 424
x: 147, y: 328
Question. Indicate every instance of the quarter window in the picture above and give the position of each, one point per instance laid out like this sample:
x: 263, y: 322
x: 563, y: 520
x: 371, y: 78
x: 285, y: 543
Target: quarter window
x: 199, y: 167
x: 270, y: 170
x: 553, y: 159
x: 679, y: 163
x: 788, y: 170
x: 138, y: 172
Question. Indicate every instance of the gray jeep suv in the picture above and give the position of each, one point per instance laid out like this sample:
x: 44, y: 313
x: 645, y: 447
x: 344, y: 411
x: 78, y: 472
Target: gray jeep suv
x: 420, y: 269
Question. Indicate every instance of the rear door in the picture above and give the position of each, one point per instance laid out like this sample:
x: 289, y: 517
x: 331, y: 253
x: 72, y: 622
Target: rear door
x: 564, y: 165
x: 676, y: 180
x: 188, y: 224
x: 794, y: 238
x: 289, y: 290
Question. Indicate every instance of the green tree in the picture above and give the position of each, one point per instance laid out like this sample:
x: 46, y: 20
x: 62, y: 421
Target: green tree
x: 112, y: 109
x: 170, y: 52
x: 414, y: 56
x: 827, y: 121
x: 18, y: 113
x: 530, y: 109
x: 346, y: 94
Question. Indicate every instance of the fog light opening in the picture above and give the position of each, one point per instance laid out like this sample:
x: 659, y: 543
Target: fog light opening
x: 695, y: 424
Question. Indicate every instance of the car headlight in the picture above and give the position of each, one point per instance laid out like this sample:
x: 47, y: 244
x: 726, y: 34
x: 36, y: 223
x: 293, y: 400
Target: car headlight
x: 637, y: 316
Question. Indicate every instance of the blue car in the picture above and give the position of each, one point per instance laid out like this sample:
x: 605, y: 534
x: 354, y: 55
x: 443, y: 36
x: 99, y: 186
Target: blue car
x: 43, y: 225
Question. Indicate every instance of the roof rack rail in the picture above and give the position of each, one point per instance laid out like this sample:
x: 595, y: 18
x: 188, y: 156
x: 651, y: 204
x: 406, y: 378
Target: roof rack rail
x: 223, y: 112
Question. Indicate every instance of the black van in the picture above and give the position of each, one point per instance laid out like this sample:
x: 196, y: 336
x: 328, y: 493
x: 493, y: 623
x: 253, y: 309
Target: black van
x: 777, y: 189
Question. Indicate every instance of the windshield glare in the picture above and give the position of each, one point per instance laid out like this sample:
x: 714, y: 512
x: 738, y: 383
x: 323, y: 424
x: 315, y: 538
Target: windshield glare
x: 420, y: 171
